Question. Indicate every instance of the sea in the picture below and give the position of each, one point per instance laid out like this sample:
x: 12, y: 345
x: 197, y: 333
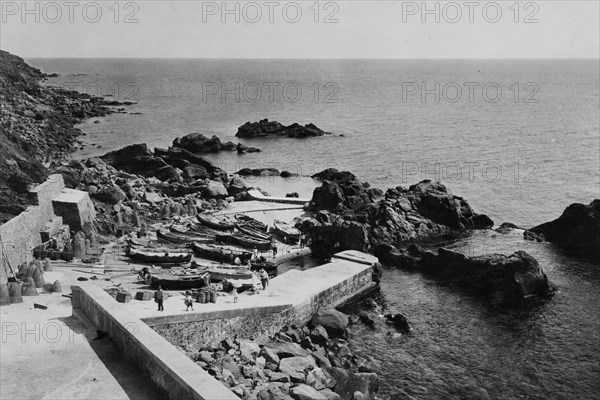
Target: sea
x: 519, y: 139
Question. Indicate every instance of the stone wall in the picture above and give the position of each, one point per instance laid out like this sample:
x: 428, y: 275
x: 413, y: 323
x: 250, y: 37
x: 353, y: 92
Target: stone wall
x: 169, y: 369
x: 22, y: 233
x: 193, y: 335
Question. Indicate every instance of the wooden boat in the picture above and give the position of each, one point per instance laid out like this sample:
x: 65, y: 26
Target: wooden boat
x: 217, y: 274
x: 244, y: 240
x: 180, y: 281
x: 212, y: 222
x: 268, y: 266
x: 249, y: 221
x: 162, y: 249
x: 203, y: 229
x: 156, y: 257
x: 220, y: 253
x: 284, y: 229
x: 250, y: 230
x: 174, y: 237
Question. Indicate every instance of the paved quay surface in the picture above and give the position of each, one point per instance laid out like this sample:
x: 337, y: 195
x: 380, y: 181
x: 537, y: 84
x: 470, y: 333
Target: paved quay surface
x: 283, y: 292
x: 51, y: 354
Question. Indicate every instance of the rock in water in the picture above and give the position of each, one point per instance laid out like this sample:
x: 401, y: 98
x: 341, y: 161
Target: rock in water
x: 332, y: 320
x: 577, y: 230
x: 265, y: 128
x: 400, y: 322
x: 56, y: 287
x: 505, y: 280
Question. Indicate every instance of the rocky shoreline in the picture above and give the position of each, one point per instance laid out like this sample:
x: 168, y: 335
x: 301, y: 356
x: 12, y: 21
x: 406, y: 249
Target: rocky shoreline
x: 298, y: 363
x: 37, y: 129
x: 134, y: 186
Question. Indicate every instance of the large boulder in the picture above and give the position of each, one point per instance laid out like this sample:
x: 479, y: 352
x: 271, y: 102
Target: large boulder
x: 435, y: 202
x: 283, y: 350
x: 110, y: 195
x: 334, y: 321
x: 305, y: 392
x: 505, y: 280
x: 265, y: 128
x: 363, y: 382
x: 135, y: 159
x: 258, y: 172
x: 175, y: 155
x: 270, y: 355
x: 215, y: 190
x: 294, y: 365
x: 198, y: 143
x: 328, y: 196
x: 577, y: 230
x: 236, y: 186
x: 248, y: 350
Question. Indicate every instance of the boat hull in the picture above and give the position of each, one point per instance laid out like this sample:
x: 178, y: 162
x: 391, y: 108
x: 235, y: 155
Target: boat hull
x: 158, y: 258
x: 211, y: 222
x: 180, y: 283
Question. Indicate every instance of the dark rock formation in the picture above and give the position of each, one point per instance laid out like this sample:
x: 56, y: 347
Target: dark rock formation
x: 504, y: 280
x: 399, y: 321
x: 577, y: 230
x: 352, y: 215
x: 258, y: 172
x: 198, y: 143
x: 172, y: 165
x: 265, y: 128
x: 333, y: 321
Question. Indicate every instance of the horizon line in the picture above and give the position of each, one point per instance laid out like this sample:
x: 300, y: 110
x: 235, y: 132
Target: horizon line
x: 314, y: 58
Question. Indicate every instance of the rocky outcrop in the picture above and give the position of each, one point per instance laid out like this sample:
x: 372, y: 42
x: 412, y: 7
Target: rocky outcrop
x: 266, y: 128
x: 352, y: 215
x: 503, y: 280
x: 198, y: 143
x: 258, y: 172
x: 170, y: 165
x: 577, y: 230
x: 37, y: 129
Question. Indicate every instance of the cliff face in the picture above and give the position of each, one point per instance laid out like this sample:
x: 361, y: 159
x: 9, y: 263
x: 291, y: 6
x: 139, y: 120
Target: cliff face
x: 36, y: 129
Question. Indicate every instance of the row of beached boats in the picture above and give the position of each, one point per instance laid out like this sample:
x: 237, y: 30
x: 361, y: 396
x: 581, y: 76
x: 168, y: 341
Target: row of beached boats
x: 222, y: 240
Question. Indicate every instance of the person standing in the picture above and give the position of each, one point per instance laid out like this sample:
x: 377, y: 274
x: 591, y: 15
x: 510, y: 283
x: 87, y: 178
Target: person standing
x: 264, y: 278
x: 188, y: 301
x: 255, y: 280
x: 274, y: 247
x: 159, y: 297
x: 255, y: 254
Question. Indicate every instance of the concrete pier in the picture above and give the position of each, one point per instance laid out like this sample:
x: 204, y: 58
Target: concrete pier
x: 144, y: 334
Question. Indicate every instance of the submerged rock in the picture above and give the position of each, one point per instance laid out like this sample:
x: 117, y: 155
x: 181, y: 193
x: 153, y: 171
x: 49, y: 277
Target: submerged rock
x: 577, y: 230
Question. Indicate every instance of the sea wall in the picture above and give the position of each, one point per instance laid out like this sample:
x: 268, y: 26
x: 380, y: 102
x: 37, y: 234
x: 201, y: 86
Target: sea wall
x: 210, y: 329
x: 169, y: 368
x: 22, y: 233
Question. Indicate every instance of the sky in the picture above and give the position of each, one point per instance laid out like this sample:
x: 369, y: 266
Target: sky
x: 301, y: 29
